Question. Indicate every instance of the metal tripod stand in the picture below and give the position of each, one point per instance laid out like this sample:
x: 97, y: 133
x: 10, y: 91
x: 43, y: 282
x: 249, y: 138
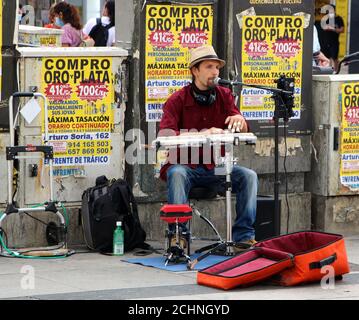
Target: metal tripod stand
x: 223, y: 247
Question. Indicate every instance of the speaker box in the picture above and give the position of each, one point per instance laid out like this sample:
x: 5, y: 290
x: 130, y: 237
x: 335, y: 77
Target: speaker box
x: 267, y: 223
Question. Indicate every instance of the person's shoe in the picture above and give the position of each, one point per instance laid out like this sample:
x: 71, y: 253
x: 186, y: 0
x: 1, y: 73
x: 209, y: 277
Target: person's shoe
x: 244, y: 245
x: 252, y: 242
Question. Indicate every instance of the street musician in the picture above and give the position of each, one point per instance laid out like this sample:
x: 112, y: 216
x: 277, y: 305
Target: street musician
x: 205, y: 108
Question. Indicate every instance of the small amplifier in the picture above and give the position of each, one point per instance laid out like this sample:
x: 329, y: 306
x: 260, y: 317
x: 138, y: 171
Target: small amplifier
x: 267, y: 223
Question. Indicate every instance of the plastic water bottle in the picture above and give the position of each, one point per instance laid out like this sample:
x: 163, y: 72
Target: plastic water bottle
x: 118, y: 240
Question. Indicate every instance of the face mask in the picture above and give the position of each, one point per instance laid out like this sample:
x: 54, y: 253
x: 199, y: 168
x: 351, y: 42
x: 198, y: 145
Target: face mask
x: 59, y: 22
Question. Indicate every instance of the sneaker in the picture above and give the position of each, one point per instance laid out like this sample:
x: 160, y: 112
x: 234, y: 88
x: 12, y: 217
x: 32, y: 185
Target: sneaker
x: 244, y: 245
x: 252, y: 242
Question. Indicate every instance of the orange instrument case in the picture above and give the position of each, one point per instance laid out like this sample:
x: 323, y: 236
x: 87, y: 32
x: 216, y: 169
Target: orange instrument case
x: 285, y: 260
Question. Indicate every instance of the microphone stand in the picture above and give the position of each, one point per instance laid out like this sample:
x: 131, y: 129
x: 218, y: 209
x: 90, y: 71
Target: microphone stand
x: 283, y: 109
x: 283, y: 101
x: 271, y: 89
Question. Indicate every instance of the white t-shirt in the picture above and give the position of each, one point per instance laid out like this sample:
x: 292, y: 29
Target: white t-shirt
x: 316, y: 43
x: 105, y: 21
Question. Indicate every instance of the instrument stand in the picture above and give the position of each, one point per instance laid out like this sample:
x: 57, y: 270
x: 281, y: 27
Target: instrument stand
x: 176, y: 252
x: 223, y: 247
x: 178, y: 239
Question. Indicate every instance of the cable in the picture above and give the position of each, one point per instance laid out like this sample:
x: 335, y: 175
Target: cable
x: 15, y: 254
x: 28, y: 214
x: 16, y: 179
x: 44, y: 249
x: 67, y: 221
x: 2, y: 231
x: 285, y: 175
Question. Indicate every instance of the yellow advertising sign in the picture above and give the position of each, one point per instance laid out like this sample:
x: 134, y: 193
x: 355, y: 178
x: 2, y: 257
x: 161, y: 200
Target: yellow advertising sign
x: 171, y: 30
x: 272, y: 46
x: 342, y: 10
x: 80, y: 98
x: 349, y: 144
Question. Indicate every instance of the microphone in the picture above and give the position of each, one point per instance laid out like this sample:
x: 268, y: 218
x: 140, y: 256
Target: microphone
x: 218, y: 81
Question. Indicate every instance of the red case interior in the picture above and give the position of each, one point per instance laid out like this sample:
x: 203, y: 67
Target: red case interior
x: 248, y: 262
x: 245, y: 269
x: 301, y: 242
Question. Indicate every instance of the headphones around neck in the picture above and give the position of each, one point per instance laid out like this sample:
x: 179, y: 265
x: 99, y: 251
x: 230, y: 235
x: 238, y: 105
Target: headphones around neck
x: 204, y: 99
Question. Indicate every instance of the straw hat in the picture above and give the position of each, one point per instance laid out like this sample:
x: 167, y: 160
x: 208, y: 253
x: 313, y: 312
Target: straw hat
x: 204, y: 53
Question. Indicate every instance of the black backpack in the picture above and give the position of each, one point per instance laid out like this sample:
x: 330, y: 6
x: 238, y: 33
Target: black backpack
x: 104, y: 204
x: 99, y: 33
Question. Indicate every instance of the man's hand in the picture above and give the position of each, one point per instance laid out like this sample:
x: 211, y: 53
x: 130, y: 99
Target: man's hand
x: 329, y: 28
x: 236, y: 123
x: 214, y: 130
x: 322, y: 60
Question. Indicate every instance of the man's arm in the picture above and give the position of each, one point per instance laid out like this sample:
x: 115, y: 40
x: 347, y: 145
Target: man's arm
x: 169, y: 125
x: 319, y: 58
x: 340, y: 23
x: 235, y: 121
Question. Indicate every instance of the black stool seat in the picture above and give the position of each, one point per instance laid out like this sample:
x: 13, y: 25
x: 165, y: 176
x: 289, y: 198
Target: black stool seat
x: 202, y: 193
